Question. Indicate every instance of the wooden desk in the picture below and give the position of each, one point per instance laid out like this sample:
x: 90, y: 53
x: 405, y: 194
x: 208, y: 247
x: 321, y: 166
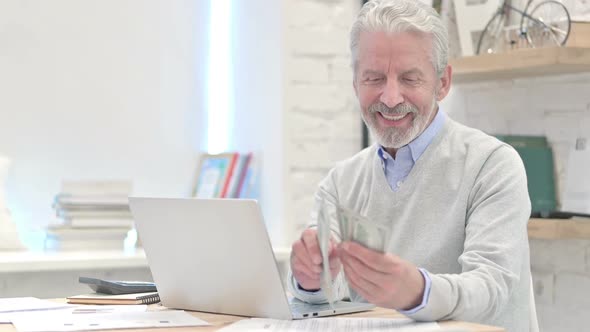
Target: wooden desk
x: 219, y: 321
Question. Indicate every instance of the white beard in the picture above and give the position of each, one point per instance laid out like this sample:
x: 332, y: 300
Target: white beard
x: 393, y: 137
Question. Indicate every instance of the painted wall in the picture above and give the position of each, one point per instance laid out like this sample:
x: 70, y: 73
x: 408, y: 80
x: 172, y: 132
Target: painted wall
x: 258, y: 96
x: 99, y: 89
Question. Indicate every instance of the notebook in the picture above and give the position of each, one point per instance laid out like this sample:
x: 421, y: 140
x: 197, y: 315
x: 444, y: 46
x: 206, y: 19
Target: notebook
x: 214, y: 255
x: 98, y: 298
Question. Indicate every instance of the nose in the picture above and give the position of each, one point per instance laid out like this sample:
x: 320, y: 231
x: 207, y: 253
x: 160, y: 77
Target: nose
x: 391, y: 95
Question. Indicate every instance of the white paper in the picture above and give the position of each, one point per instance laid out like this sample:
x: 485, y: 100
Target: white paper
x: 127, y: 320
x: 72, y: 309
x: 576, y: 193
x: 28, y: 303
x: 17, y: 305
x: 339, y: 324
x: 105, y: 309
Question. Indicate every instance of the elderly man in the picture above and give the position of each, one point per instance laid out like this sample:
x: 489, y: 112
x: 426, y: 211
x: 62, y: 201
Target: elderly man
x: 455, y: 198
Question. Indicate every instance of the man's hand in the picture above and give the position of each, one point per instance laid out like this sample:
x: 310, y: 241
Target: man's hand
x: 306, y: 260
x: 383, y: 279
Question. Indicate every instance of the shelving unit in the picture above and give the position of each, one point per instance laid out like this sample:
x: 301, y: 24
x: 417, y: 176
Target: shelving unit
x: 530, y: 62
x: 555, y: 229
x: 521, y: 63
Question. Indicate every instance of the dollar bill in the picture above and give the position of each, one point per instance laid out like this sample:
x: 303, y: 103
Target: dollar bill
x: 323, y: 233
x: 357, y: 228
x: 370, y: 235
x: 351, y: 226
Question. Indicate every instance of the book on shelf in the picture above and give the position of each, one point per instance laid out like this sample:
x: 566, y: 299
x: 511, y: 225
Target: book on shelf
x: 96, y: 200
x: 94, y: 233
x: 51, y: 244
x: 226, y: 175
x: 99, y: 298
x: 99, y: 222
x: 237, y: 179
x: 94, y: 194
x: 249, y: 183
x: 91, y: 214
x: 97, y: 187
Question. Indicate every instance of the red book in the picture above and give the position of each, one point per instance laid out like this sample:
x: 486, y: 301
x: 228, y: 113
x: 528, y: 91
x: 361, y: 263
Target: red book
x: 228, y: 177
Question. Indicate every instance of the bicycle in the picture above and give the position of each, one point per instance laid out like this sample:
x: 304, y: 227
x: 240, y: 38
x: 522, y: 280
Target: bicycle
x: 548, y: 22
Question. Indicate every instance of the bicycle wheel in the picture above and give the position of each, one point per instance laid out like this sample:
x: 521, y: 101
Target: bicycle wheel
x: 523, y: 19
x: 491, y: 39
x: 548, y: 24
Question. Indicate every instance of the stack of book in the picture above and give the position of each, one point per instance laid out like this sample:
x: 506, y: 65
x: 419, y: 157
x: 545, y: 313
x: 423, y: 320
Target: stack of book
x: 92, y: 215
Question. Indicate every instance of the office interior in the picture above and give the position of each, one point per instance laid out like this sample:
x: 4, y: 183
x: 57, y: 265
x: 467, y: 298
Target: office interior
x: 138, y: 91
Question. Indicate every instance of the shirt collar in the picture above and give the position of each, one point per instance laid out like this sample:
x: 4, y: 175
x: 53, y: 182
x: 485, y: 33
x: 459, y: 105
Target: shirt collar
x: 420, y: 143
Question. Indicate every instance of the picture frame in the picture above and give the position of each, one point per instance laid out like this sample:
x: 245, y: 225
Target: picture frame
x: 213, y: 175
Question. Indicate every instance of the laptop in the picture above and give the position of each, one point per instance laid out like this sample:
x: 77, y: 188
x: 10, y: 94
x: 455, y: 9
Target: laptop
x: 214, y: 255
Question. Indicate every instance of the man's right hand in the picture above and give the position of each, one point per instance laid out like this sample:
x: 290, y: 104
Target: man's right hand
x: 306, y: 260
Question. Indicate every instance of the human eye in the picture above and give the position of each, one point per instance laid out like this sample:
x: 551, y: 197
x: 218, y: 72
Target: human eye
x: 412, y: 80
x: 373, y: 79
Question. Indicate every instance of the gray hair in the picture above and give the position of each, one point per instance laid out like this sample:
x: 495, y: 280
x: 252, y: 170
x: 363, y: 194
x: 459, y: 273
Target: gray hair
x: 399, y: 16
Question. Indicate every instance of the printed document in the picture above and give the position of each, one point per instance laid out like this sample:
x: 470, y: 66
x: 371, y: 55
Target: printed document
x: 19, y: 305
x: 27, y: 304
x: 50, y: 322
x: 339, y: 324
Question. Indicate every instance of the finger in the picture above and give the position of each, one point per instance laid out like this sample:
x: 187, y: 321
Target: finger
x: 333, y: 245
x: 361, y: 291
x: 305, y: 282
x: 377, y: 261
x: 363, y: 271
x: 303, y: 275
x: 298, y: 265
x: 335, y: 266
x: 361, y: 286
x: 310, y: 240
x: 300, y: 255
x: 335, y: 262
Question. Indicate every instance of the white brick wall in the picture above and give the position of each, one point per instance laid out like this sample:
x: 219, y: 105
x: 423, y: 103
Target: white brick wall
x: 322, y: 121
x: 561, y: 278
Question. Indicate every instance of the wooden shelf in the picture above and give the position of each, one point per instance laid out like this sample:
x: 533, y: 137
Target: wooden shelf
x: 521, y: 63
x: 553, y: 229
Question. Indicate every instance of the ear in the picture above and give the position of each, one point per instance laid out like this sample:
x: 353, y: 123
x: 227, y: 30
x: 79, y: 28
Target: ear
x: 355, y: 86
x: 445, y: 83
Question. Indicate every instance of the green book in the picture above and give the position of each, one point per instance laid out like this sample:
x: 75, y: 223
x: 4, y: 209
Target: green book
x: 524, y: 141
x: 537, y: 157
x: 540, y: 172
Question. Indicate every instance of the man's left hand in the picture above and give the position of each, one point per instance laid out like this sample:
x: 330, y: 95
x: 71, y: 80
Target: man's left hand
x: 383, y: 279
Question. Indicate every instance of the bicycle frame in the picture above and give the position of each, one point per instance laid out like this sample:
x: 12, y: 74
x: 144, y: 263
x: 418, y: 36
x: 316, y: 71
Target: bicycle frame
x: 506, y: 6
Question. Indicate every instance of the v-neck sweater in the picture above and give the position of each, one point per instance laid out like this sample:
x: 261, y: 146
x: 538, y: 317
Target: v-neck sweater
x: 461, y: 214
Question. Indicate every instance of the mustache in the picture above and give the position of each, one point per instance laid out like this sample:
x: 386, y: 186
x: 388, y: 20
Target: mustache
x: 397, y: 110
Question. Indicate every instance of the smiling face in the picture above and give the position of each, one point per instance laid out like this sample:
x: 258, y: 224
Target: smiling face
x: 397, y: 86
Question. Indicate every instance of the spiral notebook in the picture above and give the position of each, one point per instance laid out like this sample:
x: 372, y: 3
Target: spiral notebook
x: 98, y: 298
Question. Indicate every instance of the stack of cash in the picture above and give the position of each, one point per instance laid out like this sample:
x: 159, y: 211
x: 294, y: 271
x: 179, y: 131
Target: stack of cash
x: 351, y: 226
